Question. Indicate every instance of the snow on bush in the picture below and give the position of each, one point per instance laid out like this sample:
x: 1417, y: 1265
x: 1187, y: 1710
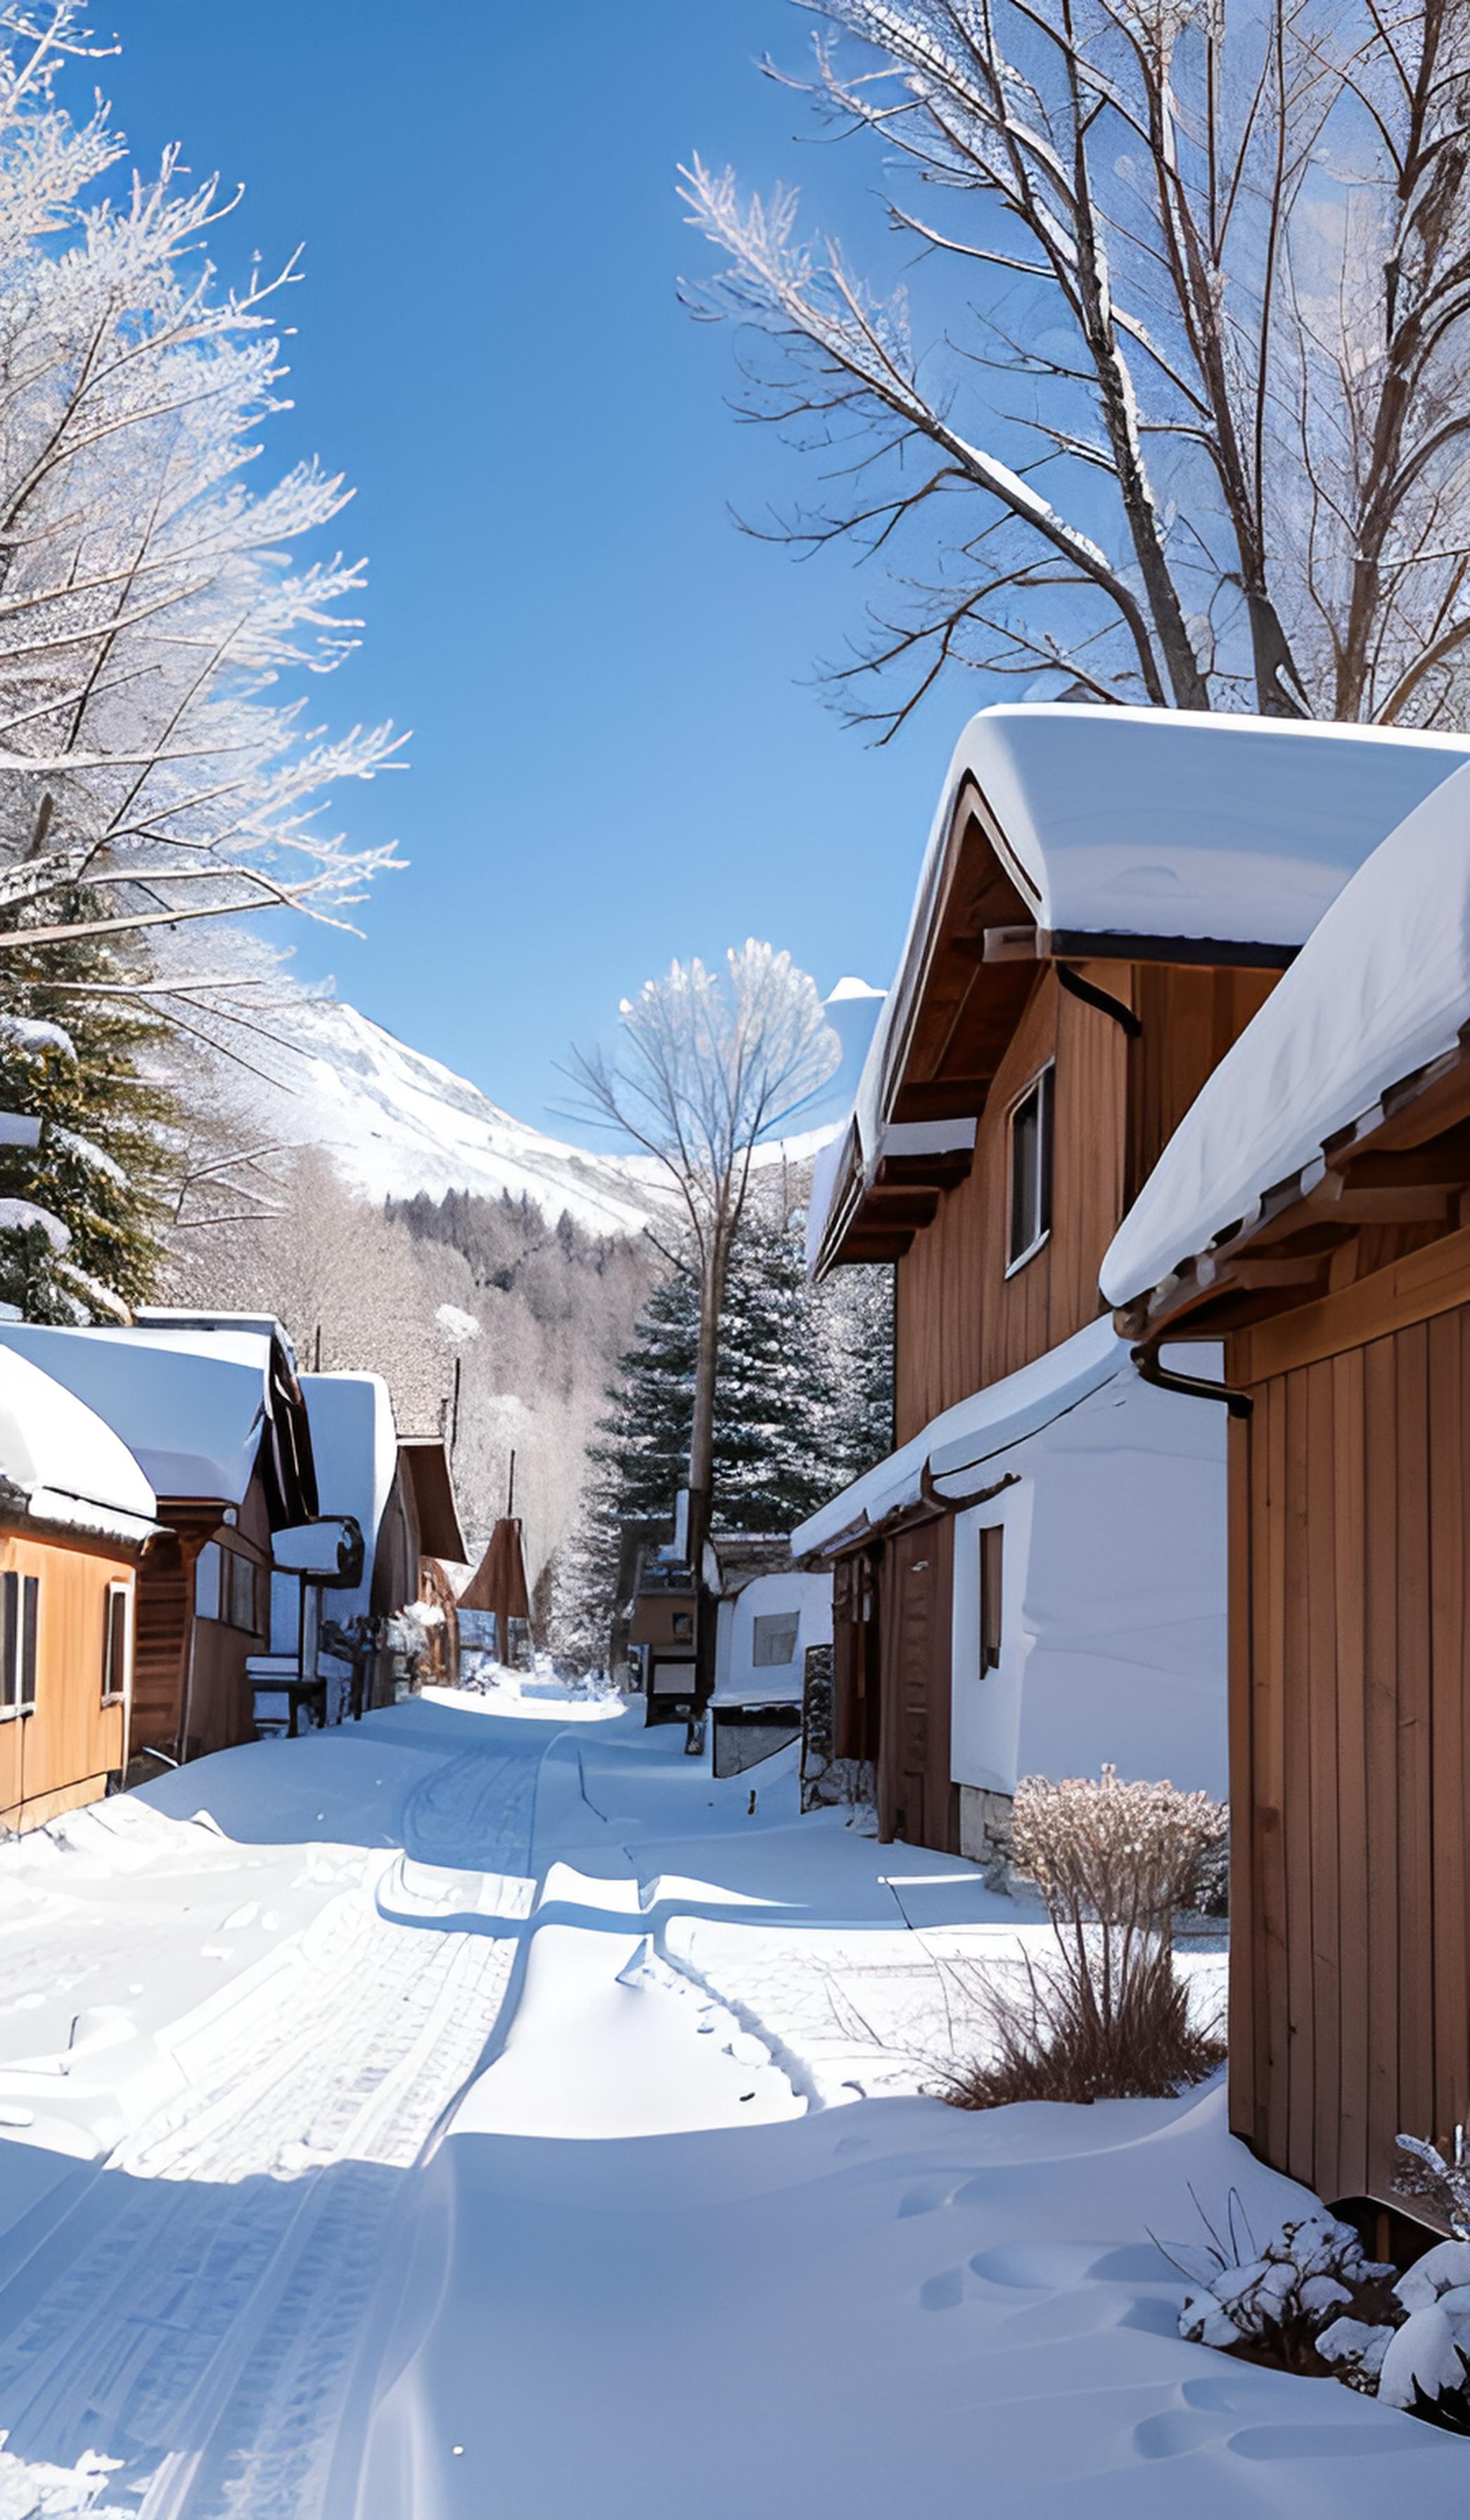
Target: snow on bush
x: 1311, y: 2301
x: 1109, y: 2018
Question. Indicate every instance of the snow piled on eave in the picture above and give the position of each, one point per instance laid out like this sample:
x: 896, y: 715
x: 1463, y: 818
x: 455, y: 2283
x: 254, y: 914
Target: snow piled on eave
x: 1380, y: 988
x: 973, y: 1431
x: 1155, y: 823
x: 53, y: 1446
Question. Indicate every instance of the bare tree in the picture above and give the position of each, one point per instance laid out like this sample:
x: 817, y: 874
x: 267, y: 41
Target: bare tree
x: 1223, y: 256
x: 708, y: 1065
x: 154, y: 767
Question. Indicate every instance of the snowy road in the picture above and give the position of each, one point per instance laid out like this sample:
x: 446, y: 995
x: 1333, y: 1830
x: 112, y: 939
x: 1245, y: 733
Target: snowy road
x: 466, y: 2116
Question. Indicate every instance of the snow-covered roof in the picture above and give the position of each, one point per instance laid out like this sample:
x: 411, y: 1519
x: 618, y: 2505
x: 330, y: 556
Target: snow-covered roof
x: 1150, y: 823
x: 189, y: 1406
x: 972, y: 1432
x: 355, y: 1447
x: 1382, y: 988
x: 65, y: 1466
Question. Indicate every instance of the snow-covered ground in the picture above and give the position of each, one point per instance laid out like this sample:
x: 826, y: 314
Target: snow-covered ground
x: 481, y: 2110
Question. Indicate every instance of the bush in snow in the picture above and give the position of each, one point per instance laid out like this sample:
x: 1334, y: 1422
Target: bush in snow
x: 1311, y: 2301
x: 1109, y: 2018
x: 1308, y: 2301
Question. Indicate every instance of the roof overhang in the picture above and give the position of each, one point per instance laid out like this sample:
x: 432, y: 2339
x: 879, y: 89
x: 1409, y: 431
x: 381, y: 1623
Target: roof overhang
x: 1071, y: 836
x: 1403, y: 1161
x: 958, y: 1457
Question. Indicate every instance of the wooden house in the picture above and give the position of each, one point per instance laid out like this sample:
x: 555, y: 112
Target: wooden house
x: 1312, y: 1214
x: 1034, y: 1580
x: 213, y: 1413
x: 399, y: 1491
x: 76, y: 1517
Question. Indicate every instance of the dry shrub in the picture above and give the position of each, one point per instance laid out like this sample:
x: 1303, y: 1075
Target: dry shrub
x: 1108, y: 2017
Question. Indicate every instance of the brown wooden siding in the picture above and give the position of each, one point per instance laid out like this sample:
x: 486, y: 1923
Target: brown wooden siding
x: 917, y: 1800
x: 1351, y: 1932
x: 1190, y: 1018
x: 960, y: 1322
x: 63, y: 1753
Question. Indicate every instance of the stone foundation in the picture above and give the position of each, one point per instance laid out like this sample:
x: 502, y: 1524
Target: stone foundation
x: 985, y: 1830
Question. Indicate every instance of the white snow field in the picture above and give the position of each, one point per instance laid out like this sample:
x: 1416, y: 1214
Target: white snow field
x: 479, y: 2110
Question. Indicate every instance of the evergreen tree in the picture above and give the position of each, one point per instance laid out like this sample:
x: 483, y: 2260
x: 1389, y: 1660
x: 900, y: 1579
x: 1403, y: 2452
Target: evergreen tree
x: 775, y: 1397
x: 804, y: 1404
x: 858, y: 1322
x: 80, y: 1237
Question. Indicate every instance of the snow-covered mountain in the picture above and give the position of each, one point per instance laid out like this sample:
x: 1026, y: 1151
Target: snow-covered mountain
x: 395, y: 1121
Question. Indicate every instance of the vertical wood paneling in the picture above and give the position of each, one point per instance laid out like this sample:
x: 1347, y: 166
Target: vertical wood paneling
x: 1416, y: 1800
x: 1268, y: 1783
x: 1380, y: 1572
x: 71, y: 1740
x: 1350, y: 1542
x: 1296, y: 1793
x: 1243, y: 2034
x: 1350, y: 1756
x: 1447, y: 1498
x: 1323, y: 1889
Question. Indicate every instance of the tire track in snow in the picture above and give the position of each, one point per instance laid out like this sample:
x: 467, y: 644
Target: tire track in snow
x: 220, y: 2270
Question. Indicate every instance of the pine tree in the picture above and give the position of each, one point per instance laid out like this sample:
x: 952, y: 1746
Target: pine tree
x: 651, y: 1409
x: 775, y: 1400
x: 804, y: 1404
x: 75, y: 1061
x: 858, y: 1324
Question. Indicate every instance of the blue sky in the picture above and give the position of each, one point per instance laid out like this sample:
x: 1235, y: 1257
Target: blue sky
x: 618, y: 756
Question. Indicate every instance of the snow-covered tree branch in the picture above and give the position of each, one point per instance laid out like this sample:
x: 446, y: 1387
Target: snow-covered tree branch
x: 1226, y: 258
x: 156, y: 763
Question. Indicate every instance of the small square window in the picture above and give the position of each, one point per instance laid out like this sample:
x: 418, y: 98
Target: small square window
x: 1031, y: 1168
x: 774, y: 1639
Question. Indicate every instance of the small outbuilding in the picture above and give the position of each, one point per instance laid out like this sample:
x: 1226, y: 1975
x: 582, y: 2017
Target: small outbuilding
x: 770, y: 1616
x: 76, y: 1519
x: 1313, y: 1212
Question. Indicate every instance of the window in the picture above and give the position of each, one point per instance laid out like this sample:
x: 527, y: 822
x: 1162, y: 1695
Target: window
x: 774, y: 1639
x: 225, y: 1587
x: 20, y: 1606
x: 115, y: 1640
x: 1031, y: 1168
x: 206, y: 1581
x: 237, y: 1591
x: 992, y: 1565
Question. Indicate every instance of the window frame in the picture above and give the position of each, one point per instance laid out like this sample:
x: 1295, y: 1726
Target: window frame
x: 115, y: 1592
x: 20, y: 1642
x: 1039, y: 1089
x: 769, y: 1620
x: 990, y: 1557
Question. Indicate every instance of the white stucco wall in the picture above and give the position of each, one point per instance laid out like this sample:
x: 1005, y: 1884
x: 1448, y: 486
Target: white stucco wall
x: 1113, y: 1636
x: 737, y: 1681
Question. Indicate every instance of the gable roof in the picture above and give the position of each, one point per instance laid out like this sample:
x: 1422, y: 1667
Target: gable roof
x: 1382, y: 988
x: 198, y: 1409
x: 1140, y: 833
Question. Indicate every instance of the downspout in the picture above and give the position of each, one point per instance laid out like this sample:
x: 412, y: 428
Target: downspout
x: 1191, y: 1386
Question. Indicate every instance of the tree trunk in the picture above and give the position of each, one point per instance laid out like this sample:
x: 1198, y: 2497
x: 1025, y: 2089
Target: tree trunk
x: 701, y: 1471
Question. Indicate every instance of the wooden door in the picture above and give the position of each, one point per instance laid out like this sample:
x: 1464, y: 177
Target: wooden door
x: 916, y: 1799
